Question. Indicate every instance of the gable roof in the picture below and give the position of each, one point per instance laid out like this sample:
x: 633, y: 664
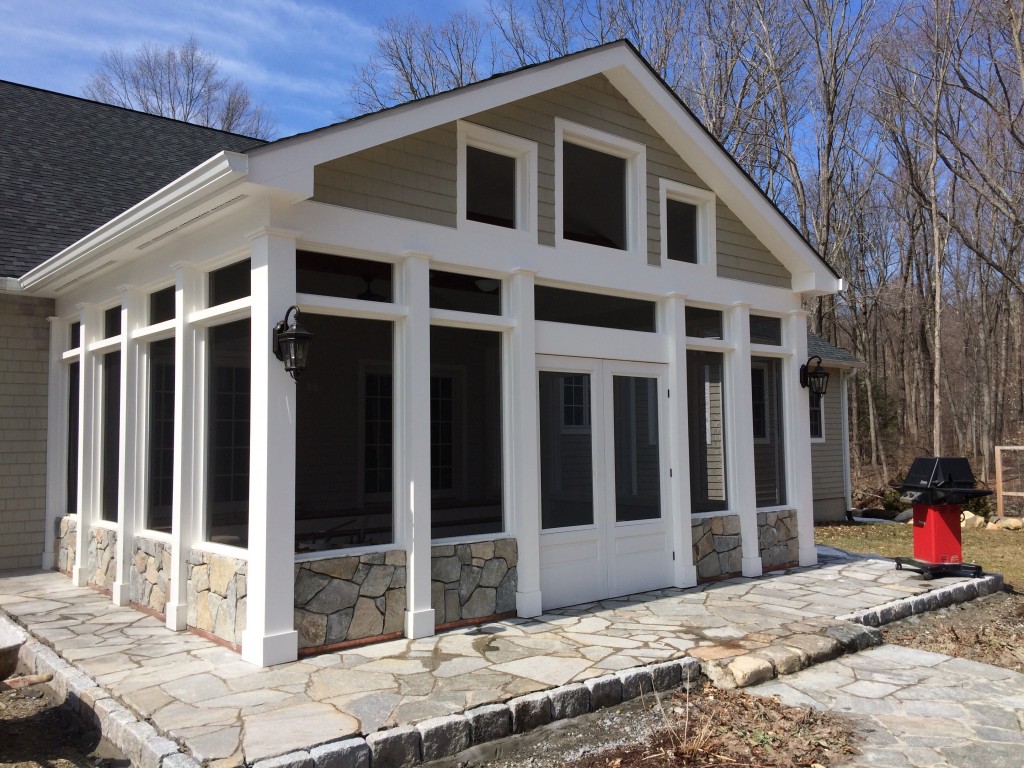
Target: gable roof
x: 830, y: 354
x: 67, y: 165
x: 288, y: 163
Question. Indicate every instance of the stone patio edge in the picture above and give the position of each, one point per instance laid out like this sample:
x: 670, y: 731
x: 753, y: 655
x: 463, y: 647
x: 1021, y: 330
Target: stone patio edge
x: 446, y: 736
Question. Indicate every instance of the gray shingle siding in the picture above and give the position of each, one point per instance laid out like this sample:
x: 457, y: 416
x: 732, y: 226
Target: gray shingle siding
x: 68, y: 165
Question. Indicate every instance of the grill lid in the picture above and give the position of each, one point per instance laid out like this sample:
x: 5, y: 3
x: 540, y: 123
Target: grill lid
x: 940, y: 480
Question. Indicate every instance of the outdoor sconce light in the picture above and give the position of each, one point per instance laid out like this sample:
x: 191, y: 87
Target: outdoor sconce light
x: 292, y: 343
x: 816, y: 380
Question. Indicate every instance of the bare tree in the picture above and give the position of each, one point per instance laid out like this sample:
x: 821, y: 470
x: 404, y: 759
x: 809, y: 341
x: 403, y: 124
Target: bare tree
x: 182, y: 82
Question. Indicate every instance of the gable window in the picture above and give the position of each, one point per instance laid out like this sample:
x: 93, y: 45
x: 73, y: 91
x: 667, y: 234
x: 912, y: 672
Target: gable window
x: 593, y: 197
x: 681, y: 242
x: 599, y: 188
x: 687, y: 224
x: 490, y: 187
x: 817, y: 413
x: 497, y: 176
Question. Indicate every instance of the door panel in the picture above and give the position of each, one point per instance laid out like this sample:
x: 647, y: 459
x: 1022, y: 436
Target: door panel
x: 603, y: 469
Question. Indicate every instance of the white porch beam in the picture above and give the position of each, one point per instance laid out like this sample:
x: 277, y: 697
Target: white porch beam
x: 798, y: 442
x: 523, y: 442
x: 88, y: 408
x: 413, y: 452
x: 56, y: 441
x: 684, y: 570
x: 270, y: 637
x: 743, y: 489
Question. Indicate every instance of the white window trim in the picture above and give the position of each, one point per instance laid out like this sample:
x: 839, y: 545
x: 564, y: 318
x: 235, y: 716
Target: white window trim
x: 636, y: 185
x: 525, y: 154
x: 707, y: 236
x: 821, y: 409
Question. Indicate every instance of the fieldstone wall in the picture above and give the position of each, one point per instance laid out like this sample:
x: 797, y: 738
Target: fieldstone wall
x: 102, y: 562
x: 216, y: 592
x: 349, y: 598
x: 716, y: 546
x: 777, y: 538
x: 65, y: 543
x: 150, y: 575
x: 471, y: 581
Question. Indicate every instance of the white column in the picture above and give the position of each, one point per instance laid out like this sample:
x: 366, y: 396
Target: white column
x: 189, y: 446
x: 270, y: 636
x: 56, y: 440
x: 798, y: 441
x: 844, y: 419
x: 88, y: 451
x: 684, y: 570
x: 412, y: 456
x: 523, y: 442
x: 130, y: 443
x: 743, y: 489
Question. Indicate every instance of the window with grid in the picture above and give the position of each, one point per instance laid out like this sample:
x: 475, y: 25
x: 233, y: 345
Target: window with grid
x: 576, y: 401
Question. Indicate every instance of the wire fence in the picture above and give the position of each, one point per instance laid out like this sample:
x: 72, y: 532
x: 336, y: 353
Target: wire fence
x: 1010, y: 481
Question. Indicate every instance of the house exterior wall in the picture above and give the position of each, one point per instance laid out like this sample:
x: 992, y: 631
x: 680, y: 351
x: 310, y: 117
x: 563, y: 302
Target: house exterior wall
x: 217, y: 591
x: 24, y: 364
x: 415, y: 177
x: 150, y: 577
x: 777, y: 538
x: 828, y: 459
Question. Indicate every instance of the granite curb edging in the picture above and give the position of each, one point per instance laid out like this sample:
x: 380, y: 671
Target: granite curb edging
x: 93, y: 705
x: 943, y: 597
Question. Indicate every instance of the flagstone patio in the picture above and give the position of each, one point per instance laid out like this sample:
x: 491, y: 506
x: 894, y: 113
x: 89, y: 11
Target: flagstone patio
x: 218, y: 707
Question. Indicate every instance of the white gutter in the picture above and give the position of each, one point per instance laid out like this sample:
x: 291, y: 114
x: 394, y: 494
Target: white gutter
x: 217, y: 173
x: 10, y: 285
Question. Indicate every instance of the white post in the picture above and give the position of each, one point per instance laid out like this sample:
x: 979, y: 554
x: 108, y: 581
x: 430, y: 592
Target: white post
x: 798, y: 441
x: 523, y: 442
x: 270, y: 636
x: 743, y: 496
x: 88, y: 409
x: 844, y: 419
x: 56, y: 440
x: 684, y: 570
x: 189, y: 446
x: 130, y: 443
x: 413, y: 453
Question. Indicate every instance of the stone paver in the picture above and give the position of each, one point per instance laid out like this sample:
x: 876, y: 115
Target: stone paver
x: 916, y: 708
x: 204, y: 697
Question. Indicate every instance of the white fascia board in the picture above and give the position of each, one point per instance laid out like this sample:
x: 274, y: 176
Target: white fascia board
x: 288, y: 164
x: 713, y: 165
x: 215, y: 175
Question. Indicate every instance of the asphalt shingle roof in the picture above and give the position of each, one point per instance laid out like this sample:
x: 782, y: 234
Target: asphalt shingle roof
x: 826, y: 351
x: 69, y: 165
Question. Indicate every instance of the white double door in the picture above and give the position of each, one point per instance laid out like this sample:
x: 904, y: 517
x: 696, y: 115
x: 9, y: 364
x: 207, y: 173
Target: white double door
x: 604, y: 479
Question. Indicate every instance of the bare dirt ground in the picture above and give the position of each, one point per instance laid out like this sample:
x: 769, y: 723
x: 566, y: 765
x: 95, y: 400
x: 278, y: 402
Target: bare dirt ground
x: 36, y: 733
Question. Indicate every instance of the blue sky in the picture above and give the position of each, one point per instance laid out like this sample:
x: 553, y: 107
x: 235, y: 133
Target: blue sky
x: 296, y: 56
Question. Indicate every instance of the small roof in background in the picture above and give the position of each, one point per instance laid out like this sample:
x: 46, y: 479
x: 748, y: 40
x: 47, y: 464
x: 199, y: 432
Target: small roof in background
x: 68, y: 165
x: 831, y: 354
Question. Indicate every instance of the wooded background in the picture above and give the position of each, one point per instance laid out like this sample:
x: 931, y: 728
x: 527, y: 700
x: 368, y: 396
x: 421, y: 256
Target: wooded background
x: 891, y: 135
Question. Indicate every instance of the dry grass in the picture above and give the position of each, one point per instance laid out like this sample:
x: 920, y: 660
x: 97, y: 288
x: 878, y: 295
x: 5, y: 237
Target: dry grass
x: 995, y: 551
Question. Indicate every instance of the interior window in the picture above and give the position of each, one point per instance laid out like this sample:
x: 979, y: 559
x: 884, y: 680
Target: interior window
x: 490, y: 187
x: 817, y: 417
x: 681, y: 231
x: 593, y: 197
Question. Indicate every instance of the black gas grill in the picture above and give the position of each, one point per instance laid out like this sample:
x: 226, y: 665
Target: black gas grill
x: 940, y: 480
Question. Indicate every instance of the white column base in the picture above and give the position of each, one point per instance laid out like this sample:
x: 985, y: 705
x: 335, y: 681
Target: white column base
x: 686, y: 576
x: 419, y: 623
x: 176, y: 616
x: 752, y: 567
x: 270, y: 650
x: 120, y: 593
x: 808, y: 556
x: 79, y: 576
x: 528, y: 604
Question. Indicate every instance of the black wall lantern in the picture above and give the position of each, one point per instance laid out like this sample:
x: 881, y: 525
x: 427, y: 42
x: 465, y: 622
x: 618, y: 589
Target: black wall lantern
x: 816, y: 380
x: 292, y: 343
